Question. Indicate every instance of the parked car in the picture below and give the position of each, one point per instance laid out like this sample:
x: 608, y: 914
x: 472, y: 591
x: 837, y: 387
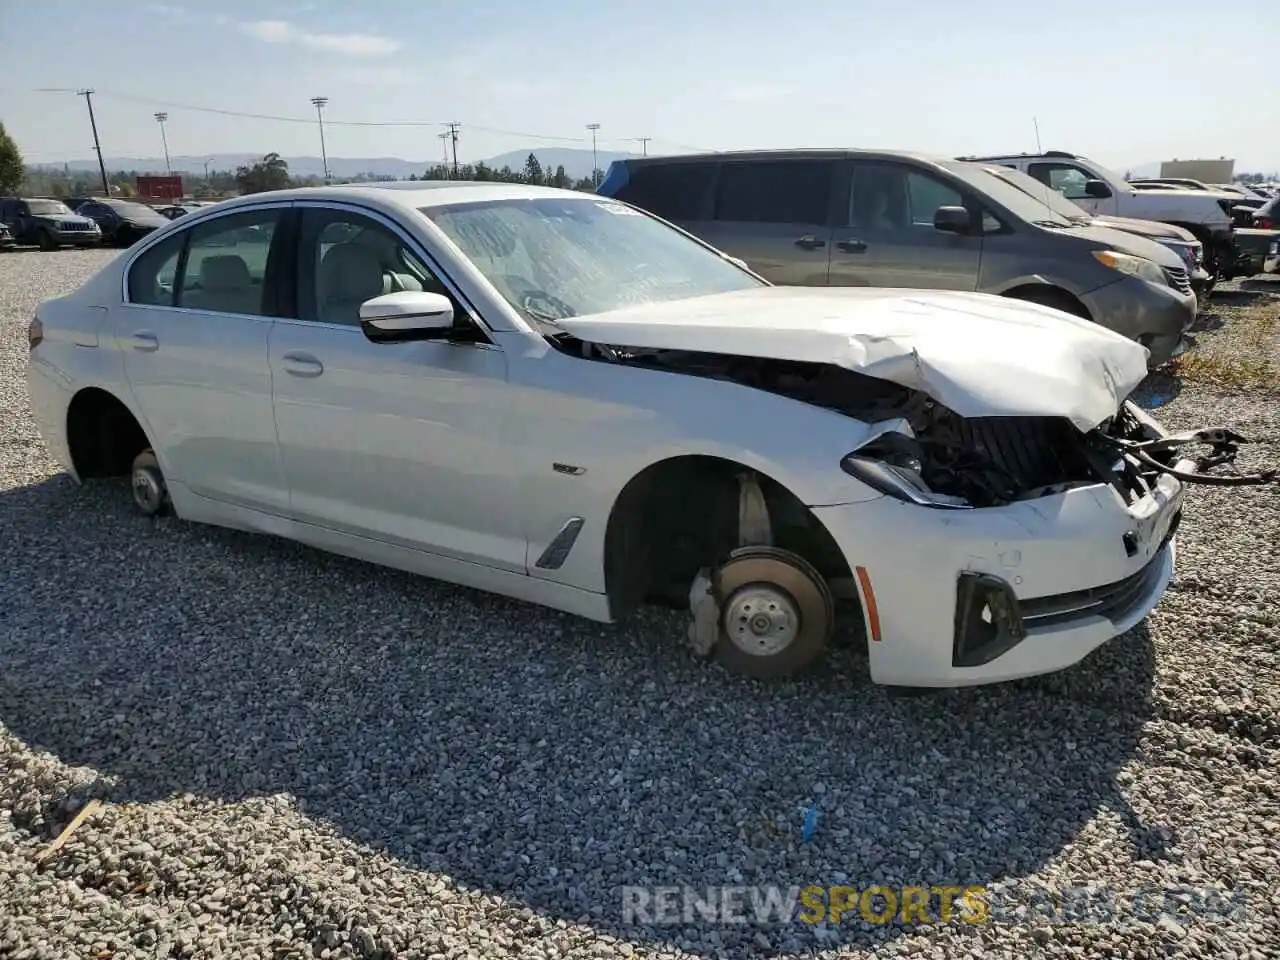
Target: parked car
x: 557, y: 397
x: 1189, y: 250
x: 6, y: 238
x: 46, y: 223
x: 1267, y: 216
x: 1100, y: 191
x: 1176, y: 183
x: 123, y: 222
x: 174, y: 211
x: 1253, y: 245
x: 881, y: 219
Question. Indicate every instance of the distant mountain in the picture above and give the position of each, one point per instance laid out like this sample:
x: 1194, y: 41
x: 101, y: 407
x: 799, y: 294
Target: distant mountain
x: 576, y: 163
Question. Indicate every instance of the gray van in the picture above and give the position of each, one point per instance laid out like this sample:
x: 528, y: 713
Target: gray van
x: 891, y: 219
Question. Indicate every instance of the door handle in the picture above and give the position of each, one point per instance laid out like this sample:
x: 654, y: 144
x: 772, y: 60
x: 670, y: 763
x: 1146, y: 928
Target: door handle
x: 145, y: 340
x: 810, y: 243
x: 853, y: 246
x: 302, y: 365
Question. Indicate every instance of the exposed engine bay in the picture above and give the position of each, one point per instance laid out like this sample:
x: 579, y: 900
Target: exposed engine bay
x: 956, y: 461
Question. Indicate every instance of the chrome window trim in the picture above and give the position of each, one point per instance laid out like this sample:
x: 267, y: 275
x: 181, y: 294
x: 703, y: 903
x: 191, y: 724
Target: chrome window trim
x: 160, y: 235
x: 414, y: 245
x: 355, y: 329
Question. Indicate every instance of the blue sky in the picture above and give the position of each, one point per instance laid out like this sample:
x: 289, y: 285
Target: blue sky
x: 1114, y: 82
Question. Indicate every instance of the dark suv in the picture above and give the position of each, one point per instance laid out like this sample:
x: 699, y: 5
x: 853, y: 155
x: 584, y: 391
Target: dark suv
x: 46, y: 223
x: 123, y: 222
x: 860, y: 218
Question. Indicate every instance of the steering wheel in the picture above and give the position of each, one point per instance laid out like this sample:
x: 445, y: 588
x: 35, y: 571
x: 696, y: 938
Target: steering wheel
x: 536, y: 302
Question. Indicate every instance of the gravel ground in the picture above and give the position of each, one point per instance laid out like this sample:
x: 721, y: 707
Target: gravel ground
x: 300, y: 755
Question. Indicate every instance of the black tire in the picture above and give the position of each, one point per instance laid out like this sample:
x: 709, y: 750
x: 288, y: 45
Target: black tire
x: 751, y: 569
x: 47, y: 240
x: 1052, y: 297
x: 147, y: 486
x: 124, y: 237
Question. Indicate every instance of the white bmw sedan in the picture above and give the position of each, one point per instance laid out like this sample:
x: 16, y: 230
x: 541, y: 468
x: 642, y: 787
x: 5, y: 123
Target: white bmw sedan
x: 554, y: 396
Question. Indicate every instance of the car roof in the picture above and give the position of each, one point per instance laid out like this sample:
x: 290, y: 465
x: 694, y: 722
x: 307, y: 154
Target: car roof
x: 413, y: 194
x: 788, y: 154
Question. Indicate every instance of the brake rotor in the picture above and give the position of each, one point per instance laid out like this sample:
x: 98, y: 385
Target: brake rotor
x: 773, y: 601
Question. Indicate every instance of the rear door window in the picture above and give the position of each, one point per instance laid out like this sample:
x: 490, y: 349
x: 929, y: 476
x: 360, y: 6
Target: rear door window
x: 775, y: 191
x: 673, y: 191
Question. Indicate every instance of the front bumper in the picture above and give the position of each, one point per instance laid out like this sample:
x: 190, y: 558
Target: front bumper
x: 1201, y: 284
x: 79, y: 238
x: 1155, y: 316
x: 1053, y: 553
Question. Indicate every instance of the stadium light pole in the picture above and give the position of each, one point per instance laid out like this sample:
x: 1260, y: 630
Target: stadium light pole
x: 319, y: 103
x: 595, y: 164
x: 160, y: 119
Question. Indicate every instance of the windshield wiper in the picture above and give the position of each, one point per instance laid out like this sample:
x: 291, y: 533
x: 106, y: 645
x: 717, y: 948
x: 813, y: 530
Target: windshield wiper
x: 1056, y: 224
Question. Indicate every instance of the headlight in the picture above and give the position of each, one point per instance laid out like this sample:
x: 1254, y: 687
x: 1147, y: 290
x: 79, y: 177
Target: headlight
x: 892, y: 464
x: 1186, y: 253
x: 1132, y: 266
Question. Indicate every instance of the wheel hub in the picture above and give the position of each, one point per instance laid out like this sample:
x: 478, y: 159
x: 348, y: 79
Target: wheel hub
x: 761, y: 619
x: 147, y: 490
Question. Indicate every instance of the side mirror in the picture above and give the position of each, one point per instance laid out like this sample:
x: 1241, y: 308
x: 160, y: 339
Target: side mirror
x: 407, y: 315
x: 952, y: 220
x: 1097, y: 189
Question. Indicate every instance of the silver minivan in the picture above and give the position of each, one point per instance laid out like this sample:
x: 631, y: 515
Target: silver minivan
x: 891, y: 219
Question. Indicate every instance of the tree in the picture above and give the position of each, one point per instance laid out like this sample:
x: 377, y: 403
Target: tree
x: 11, y: 169
x: 560, y: 178
x: 533, y: 170
x: 269, y: 173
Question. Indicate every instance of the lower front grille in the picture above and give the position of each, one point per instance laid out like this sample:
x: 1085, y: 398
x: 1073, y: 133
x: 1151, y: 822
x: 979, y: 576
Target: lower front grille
x: 1178, y: 279
x: 1112, y: 601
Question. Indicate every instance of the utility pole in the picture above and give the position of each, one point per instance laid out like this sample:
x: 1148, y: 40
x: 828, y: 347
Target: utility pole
x: 319, y: 103
x: 444, y: 145
x: 453, y: 135
x: 644, y: 145
x: 595, y: 164
x: 160, y: 119
x: 206, y: 169
x: 102, y: 167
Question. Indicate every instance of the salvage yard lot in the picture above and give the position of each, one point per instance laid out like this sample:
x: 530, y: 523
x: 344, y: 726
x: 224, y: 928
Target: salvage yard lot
x: 301, y: 755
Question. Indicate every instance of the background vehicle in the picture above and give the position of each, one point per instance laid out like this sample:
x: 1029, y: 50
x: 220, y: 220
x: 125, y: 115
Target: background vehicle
x: 123, y: 222
x: 1182, y: 242
x: 6, y: 237
x: 886, y: 219
x: 46, y: 223
x: 1253, y: 245
x: 1267, y: 216
x: 1100, y: 191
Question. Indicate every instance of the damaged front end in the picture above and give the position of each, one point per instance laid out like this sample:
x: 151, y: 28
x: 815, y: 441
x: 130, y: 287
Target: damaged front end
x: 922, y: 452
x: 935, y: 458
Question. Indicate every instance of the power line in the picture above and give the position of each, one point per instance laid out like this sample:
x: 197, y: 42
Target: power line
x: 97, y: 146
x: 453, y: 135
x: 278, y: 118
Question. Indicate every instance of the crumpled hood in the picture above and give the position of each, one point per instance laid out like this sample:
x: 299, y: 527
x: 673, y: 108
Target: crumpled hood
x: 978, y: 354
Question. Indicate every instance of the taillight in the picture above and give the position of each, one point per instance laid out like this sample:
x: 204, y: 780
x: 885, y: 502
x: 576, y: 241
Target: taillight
x: 35, y: 333
x: 1266, y: 223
